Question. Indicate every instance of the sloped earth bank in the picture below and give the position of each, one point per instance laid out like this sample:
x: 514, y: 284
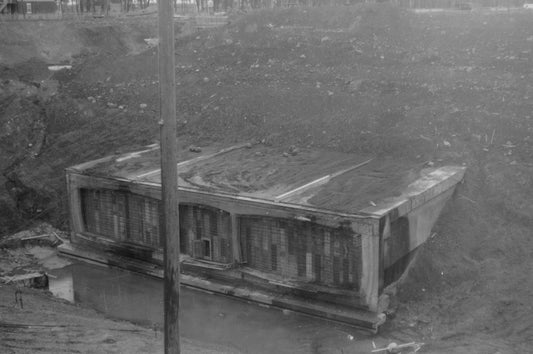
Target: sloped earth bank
x: 45, y: 324
x: 433, y: 88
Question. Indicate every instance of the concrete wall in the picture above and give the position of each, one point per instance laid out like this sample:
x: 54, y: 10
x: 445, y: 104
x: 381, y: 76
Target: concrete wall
x: 302, y: 251
x: 338, y: 252
x: 296, y: 250
x: 205, y: 233
x: 405, y: 234
x: 121, y: 216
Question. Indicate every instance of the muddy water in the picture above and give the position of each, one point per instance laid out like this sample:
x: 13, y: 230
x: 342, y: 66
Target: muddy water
x: 205, y: 317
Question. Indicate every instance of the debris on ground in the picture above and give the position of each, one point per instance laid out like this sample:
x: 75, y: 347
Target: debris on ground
x: 395, y: 348
x: 37, y: 280
x: 43, y: 234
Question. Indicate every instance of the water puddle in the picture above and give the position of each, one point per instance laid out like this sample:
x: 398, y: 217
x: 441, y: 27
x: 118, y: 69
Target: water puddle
x: 204, y: 317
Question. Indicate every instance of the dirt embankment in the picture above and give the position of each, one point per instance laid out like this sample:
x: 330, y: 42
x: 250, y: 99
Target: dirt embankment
x: 40, y: 323
x: 45, y: 123
x: 451, y: 87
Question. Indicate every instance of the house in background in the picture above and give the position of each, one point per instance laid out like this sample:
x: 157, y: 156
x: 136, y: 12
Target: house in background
x: 29, y: 8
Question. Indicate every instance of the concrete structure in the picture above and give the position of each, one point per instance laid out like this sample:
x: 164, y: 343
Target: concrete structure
x: 329, y: 228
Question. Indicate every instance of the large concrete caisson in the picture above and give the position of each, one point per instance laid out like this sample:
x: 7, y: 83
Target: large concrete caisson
x: 313, y: 231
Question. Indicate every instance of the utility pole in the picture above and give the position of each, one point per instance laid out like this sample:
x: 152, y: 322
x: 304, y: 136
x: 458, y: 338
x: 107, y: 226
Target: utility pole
x: 169, y: 175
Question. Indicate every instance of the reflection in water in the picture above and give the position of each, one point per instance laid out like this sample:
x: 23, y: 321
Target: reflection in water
x: 204, y: 317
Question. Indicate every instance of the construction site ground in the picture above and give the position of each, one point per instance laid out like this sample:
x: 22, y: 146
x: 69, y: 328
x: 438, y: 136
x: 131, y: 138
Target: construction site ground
x: 428, y: 89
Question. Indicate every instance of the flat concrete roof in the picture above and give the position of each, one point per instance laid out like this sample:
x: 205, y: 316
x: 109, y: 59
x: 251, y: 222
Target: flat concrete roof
x: 348, y: 183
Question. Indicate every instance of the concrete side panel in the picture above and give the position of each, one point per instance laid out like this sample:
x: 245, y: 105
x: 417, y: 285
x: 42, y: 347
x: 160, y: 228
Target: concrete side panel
x: 422, y: 219
x: 74, y: 200
x: 412, y: 230
x: 407, y: 233
x: 366, y: 226
x: 370, y: 273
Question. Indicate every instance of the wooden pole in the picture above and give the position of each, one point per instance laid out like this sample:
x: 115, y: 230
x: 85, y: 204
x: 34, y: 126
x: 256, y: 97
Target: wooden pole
x: 169, y: 175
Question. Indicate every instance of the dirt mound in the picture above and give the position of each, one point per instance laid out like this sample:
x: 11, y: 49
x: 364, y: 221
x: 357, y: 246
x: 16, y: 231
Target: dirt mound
x: 44, y: 113
x: 469, y: 289
x: 62, y: 41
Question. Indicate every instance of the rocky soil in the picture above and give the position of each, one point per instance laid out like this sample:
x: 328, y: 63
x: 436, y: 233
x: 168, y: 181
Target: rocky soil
x: 437, y: 88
